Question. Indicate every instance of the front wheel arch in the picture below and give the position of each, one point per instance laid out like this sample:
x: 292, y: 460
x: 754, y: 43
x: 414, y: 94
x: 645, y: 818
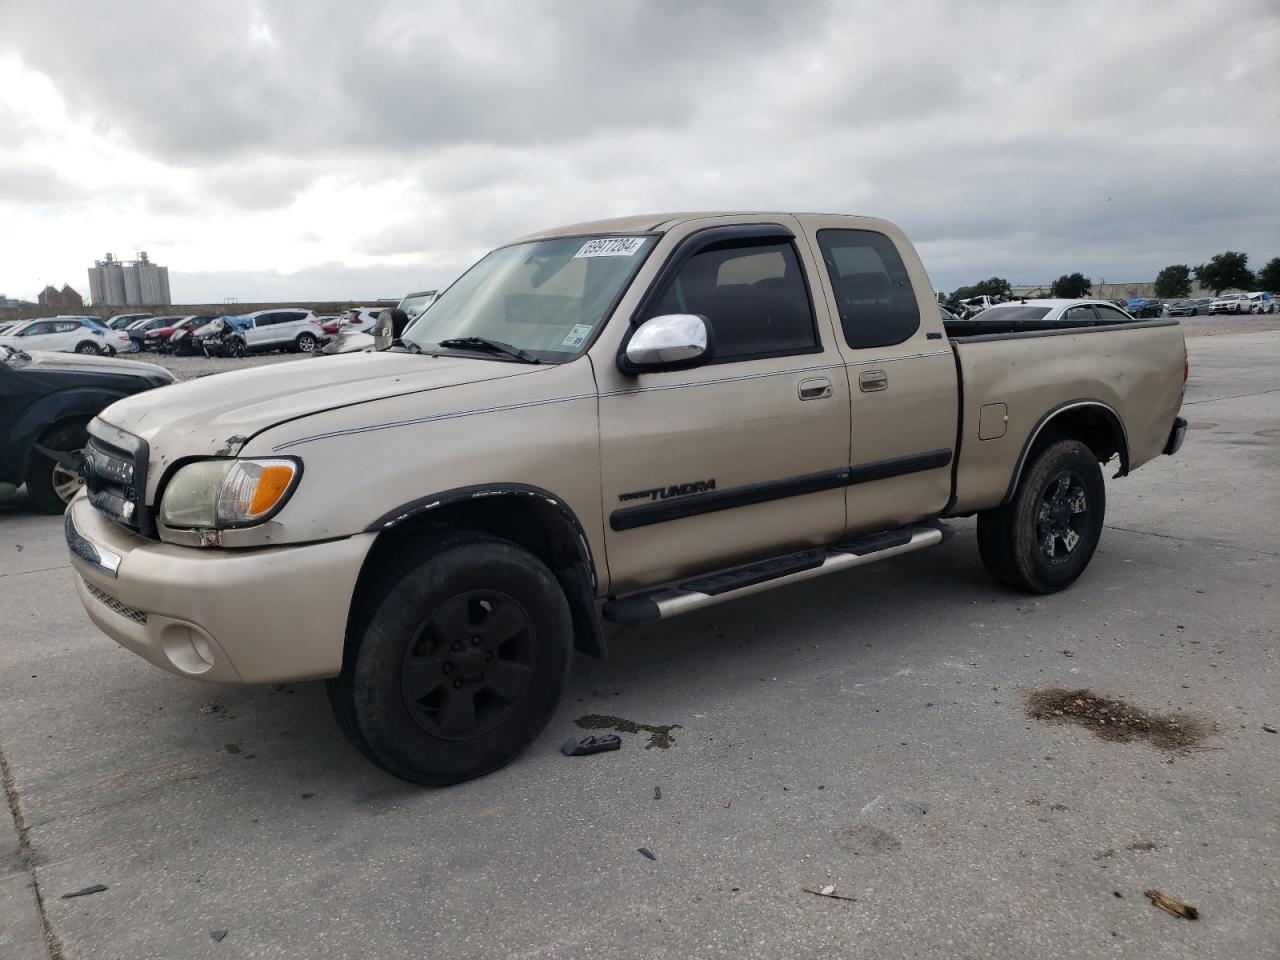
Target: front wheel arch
x: 528, y: 516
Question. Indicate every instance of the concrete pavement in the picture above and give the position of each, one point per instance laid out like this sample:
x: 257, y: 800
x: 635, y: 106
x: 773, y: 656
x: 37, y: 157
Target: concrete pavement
x: 865, y: 731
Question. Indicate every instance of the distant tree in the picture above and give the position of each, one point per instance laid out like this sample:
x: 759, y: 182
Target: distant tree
x: 1174, y: 281
x: 1071, y: 286
x: 1269, y: 276
x: 1225, y: 271
x: 995, y: 287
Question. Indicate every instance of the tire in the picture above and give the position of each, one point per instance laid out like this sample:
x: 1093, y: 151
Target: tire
x: 50, y: 484
x: 307, y: 343
x: 421, y: 698
x: 1043, y: 539
x: 1194, y: 312
x: 88, y: 348
x: 234, y: 348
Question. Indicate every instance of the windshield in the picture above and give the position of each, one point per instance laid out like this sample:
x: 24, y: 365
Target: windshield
x: 546, y: 297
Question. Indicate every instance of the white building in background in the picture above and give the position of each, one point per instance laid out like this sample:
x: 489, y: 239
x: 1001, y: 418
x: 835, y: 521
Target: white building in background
x: 129, y: 283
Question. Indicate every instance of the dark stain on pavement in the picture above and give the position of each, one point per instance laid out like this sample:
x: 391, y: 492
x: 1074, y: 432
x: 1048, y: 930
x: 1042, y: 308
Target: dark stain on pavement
x: 866, y: 839
x: 659, y: 737
x: 1116, y: 721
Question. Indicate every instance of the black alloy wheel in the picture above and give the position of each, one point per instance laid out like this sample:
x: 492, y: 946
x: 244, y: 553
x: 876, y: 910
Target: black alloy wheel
x: 470, y: 665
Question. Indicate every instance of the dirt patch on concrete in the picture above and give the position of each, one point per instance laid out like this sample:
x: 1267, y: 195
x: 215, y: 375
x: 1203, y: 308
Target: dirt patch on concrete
x: 1117, y: 721
x: 659, y: 737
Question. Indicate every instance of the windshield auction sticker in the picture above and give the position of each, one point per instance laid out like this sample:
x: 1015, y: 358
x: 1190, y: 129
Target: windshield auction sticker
x: 577, y: 336
x: 610, y: 247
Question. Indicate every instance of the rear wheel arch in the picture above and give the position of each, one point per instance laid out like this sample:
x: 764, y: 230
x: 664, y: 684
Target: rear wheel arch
x: 527, y: 516
x: 1092, y: 422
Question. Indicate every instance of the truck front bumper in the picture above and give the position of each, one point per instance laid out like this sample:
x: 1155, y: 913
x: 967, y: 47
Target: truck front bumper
x: 243, y: 616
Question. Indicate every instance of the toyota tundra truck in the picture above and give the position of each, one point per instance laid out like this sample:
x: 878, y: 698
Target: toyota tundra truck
x: 616, y: 421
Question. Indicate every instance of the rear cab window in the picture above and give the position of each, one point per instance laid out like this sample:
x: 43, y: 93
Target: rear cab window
x: 876, y: 302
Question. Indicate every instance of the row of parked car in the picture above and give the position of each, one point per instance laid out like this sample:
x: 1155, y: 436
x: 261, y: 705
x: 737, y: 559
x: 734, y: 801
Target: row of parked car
x: 297, y: 329
x: 1232, y: 303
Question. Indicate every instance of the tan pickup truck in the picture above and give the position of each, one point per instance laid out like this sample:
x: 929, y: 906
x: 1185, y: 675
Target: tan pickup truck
x: 616, y: 421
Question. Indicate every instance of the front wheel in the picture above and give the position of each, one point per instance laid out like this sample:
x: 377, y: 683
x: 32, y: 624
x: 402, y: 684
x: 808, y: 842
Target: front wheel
x: 234, y: 348
x: 54, y: 475
x: 1043, y: 539
x: 454, y: 667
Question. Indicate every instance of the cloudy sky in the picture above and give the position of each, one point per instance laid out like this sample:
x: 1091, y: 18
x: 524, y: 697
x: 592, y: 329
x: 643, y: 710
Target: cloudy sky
x: 306, y: 149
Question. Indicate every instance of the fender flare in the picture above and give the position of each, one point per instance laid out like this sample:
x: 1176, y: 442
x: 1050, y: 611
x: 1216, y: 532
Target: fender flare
x: 421, y: 505
x: 1116, y: 420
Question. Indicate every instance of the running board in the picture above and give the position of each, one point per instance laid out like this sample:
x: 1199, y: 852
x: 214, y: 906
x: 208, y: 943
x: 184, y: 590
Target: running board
x: 714, y: 588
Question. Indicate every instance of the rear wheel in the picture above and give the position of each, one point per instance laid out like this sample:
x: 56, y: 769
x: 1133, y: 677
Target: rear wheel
x: 1043, y: 539
x: 307, y: 342
x: 88, y: 348
x: 459, y: 662
x: 54, y: 475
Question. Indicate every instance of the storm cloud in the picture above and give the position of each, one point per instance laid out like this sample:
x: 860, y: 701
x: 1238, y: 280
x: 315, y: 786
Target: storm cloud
x: 338, y: 149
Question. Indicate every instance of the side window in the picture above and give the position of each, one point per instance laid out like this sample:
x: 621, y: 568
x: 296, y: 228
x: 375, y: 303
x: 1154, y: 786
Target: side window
x: 1108, y: 313
x: 877, y: 305
x: 267, y: 320
x: 292, y: 317
x: 65, y: 326
x: 754, y: 297
x: 1080, y: 312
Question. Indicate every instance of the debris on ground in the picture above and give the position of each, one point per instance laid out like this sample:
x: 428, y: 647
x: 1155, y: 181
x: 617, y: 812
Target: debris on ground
x: 231, y: 747
x: 1270, y: 729
x: 96, y: 888
x: 657, y: 793
x: 646, y: 852
x: 585, y: 746
x: 1115, y: 720
x: 830, y: 893
x: 1171, y: 906
x: 659, y: 736
x: 218, y: 935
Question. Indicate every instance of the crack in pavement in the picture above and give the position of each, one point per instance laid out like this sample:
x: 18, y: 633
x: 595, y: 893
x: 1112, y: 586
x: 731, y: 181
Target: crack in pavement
x: 23, y: 573
x: 1237, y: 396
x: 1206, y: 543
x: 27, y: 855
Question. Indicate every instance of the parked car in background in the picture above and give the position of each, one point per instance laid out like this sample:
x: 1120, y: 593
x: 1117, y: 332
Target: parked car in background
x: 83, y: 335
x: 122, y: 321
x: 357, y: 318
x: 208, y: 339
x: 1261, y: 303
x: 1145, y: 307
x: 1041, y: 313
x: 1187, y: 308
x: 972, y: 306
x: 1230, y: 303
x: 48, y: 401
x: 269, y: 330
x: 159, y: 338
x: 139, y: 329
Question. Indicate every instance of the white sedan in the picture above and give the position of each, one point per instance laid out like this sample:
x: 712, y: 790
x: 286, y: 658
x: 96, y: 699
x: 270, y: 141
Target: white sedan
x: 1048, y: 312
x: 67, y: 335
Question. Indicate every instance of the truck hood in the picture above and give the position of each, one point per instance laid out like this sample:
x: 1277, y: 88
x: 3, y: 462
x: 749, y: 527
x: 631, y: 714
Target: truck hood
x: 75, y: 366
x: 217, y: 414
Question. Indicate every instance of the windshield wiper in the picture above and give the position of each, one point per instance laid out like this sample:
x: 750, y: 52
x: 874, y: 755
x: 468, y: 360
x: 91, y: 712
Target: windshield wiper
x: 489, y: 346
x: 409, y: 345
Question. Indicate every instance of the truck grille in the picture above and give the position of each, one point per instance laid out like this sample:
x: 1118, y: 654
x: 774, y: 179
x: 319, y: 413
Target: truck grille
x: 115, y: 474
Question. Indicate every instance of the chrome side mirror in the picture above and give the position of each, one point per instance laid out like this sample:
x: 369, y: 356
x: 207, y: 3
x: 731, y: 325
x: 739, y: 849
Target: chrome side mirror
x: 668, y: 342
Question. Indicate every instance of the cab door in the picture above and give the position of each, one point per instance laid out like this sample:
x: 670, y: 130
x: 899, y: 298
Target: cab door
x: 741, y: 458
x: 902, y: 372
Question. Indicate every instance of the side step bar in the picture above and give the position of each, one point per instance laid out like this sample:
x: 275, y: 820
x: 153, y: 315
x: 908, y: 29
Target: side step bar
x: 737, y: 582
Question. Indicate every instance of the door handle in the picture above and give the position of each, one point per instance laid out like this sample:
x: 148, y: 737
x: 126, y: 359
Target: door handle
x: 873, y: 380
x: 815, y: 388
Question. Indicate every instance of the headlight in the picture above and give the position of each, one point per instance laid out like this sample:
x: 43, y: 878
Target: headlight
x: 228, y: 493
